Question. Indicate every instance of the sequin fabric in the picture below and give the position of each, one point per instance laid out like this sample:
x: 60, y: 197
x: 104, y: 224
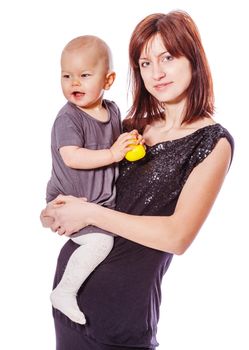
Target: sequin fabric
x: 152, y: 185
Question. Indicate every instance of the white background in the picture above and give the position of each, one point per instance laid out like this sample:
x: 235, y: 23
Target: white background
x: 205, y: 293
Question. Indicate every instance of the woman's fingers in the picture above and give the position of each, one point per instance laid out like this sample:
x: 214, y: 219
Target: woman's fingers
x: 55, y: 226
x: 65, y: 217
x: 45, y: 219
x: 61, y: 199
x: 61, y: 231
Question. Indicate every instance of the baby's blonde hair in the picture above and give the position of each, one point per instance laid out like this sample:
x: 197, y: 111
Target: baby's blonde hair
x: 91, y: 41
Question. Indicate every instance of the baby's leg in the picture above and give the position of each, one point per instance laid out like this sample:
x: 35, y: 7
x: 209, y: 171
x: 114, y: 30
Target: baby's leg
x: 94, y: 248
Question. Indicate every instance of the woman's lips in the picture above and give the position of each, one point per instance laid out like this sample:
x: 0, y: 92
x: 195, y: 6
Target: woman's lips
x: 161, y: 86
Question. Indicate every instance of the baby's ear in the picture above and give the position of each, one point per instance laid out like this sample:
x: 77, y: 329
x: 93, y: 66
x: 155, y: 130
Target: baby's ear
x: 109, y: 79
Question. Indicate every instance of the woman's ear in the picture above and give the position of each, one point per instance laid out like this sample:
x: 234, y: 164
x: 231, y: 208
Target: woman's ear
x: 109, y: 79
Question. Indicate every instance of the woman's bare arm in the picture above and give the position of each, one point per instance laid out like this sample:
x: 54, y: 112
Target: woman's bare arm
x: 167, y: 233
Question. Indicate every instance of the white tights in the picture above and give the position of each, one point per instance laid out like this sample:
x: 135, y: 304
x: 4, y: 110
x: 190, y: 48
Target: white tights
x: 94, y: 248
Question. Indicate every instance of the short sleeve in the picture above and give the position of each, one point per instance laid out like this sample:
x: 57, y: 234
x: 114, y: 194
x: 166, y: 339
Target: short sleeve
x: 67, y: 132
x: 204, y: 143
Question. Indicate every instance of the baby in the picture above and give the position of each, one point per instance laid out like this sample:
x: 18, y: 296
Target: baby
x: 86, y: 144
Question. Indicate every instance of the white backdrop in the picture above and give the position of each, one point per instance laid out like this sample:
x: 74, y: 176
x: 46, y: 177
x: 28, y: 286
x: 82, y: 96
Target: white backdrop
x: 205, y: 293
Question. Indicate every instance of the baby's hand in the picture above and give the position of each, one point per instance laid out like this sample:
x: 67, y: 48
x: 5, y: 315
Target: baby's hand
x: 138, y: 149
x: 122, y: 146
x: 138, y: 137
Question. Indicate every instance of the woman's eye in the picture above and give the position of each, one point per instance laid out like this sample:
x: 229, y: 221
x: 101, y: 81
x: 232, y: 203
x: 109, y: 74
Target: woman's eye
x: 168, y: 58
x: 144, y: 64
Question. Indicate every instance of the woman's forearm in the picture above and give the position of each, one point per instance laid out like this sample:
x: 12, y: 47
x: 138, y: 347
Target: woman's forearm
x: 158, y: 232
x: 71, y: 214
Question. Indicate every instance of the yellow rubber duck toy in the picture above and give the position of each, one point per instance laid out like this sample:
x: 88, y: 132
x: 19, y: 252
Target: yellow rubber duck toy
x: 137, y: 152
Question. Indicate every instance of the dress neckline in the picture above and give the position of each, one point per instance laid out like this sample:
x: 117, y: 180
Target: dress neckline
x: 183, y: 137
x: 89, y: 116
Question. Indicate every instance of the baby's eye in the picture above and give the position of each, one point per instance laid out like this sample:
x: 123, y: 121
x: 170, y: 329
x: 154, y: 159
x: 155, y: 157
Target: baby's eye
x: 66, y: 76
x: 85, y: 75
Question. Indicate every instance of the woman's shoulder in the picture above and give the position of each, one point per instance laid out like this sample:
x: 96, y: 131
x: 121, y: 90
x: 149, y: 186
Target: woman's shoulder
x: 209, y: 128
x: 208, y: 136
x: 216, y: 131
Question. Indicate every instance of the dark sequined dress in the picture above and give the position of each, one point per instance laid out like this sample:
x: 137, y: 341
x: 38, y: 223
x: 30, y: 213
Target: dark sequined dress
x: 121, y: 298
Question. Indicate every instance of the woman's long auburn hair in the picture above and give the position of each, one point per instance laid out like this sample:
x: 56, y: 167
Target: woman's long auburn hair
x: 181, y: 37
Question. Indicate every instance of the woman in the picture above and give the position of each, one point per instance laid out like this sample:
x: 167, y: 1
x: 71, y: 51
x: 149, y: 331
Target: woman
x: 162, y: 200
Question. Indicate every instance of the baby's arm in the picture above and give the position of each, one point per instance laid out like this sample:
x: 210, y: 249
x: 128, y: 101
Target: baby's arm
x: 83, y: 158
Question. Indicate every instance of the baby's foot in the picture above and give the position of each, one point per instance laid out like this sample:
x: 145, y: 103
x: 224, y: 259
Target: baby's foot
x: 67, y: 304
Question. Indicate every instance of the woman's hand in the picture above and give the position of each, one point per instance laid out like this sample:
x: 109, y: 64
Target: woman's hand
x: 46, y: 220
x: 66, y: 214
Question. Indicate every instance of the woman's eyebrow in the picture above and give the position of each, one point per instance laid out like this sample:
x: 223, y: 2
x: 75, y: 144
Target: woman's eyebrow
x: 159, y: 55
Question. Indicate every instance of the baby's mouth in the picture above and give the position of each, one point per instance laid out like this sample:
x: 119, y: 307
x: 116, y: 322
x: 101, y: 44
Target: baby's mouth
x: 78, y: 94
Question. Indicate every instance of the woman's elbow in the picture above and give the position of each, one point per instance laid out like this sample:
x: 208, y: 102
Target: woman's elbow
x: 177, y: 247
x: 184, y: 241
x: 181, y: 243
x: 180, y: 249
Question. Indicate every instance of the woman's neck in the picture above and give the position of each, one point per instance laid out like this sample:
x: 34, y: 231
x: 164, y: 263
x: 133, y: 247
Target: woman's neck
x: 174, y: 114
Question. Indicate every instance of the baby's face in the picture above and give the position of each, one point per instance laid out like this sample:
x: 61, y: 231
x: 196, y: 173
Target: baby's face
x: 83, y: 77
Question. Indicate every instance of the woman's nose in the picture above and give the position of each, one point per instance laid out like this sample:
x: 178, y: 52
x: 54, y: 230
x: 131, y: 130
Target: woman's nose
x: 158, y: 72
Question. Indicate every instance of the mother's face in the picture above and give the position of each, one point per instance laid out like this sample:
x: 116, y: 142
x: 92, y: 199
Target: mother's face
x: 165, y: 77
